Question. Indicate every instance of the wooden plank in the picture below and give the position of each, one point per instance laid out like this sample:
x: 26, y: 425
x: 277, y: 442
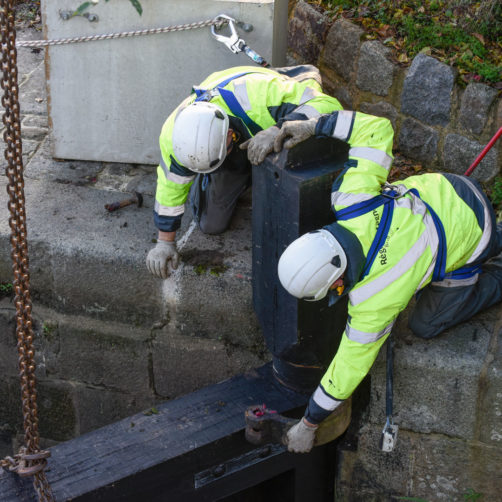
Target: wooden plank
x: 137, y: 447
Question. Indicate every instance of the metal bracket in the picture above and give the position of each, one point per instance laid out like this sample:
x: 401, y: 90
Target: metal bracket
x: 65, y: 15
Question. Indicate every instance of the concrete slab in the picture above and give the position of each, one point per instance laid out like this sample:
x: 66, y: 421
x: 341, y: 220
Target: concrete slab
x: 109, y: 99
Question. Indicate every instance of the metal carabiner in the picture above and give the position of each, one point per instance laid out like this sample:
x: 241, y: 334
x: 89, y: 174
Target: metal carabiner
x: 233, y: 42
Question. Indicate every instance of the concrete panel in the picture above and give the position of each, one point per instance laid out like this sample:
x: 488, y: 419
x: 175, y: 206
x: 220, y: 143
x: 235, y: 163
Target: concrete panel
x: 107, y: 100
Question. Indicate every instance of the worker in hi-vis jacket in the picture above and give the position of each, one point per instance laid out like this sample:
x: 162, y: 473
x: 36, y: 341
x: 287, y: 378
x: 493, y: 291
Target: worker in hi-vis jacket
x: 431, y: 235
x: 239, y: 107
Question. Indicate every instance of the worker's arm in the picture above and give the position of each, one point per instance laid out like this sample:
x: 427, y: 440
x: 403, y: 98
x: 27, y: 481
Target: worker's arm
x: 173, y: 185
x: 370, y: 154
x: 285, y: 101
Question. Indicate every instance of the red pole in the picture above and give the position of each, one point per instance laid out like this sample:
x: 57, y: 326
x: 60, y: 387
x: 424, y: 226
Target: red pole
x: 479, y: 158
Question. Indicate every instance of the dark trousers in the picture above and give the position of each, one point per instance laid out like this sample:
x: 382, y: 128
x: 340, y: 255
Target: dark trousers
x: 439, y: 308
x: 214, y: 196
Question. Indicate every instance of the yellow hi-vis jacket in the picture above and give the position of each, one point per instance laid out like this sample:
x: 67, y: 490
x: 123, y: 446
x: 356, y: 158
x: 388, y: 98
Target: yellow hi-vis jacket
x: 405, y: 263
x: 266, y: 96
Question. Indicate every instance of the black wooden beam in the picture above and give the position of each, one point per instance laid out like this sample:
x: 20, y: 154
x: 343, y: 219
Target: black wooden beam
x: 192, y: 449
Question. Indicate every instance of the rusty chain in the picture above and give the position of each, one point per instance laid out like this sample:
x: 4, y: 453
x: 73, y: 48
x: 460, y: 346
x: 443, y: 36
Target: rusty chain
x: 30, y: 461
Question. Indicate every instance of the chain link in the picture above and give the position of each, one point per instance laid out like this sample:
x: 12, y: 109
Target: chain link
x: 124, y: 34
x: 30, y: 461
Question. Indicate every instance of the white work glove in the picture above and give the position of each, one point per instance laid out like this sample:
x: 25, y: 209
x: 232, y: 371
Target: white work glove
x: 300, y: 438
x: 162, y: 258
x: 260, y: 145
x: 297, y: 131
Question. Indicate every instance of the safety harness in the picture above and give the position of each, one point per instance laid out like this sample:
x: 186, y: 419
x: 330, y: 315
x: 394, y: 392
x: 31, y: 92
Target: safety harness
x: 230, y: 100
x: 386, y: 198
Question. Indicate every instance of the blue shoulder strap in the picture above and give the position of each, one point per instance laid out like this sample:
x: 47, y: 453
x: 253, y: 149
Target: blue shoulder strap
x: 231, y: 101
x: 383, y: 227
x: 387, y: 200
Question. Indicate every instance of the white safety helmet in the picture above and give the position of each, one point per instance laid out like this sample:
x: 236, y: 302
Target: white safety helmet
x: 200, y: 137
x: 311, y: 264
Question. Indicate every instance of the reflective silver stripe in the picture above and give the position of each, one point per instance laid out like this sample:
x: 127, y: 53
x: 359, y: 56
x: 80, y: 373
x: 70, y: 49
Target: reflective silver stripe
x: 169, y: 211
x: 370, y: 289
x: 487, y: 231
x: 364, y: 337
x: 241, y: 94
x: 453, y: 283
x: 347, y: 199
x: 343, y: 124
x: 175, y: 178
x: 324, y: 401
x: 307, y: 95
x: 372, y: 154
x: 308, y: 110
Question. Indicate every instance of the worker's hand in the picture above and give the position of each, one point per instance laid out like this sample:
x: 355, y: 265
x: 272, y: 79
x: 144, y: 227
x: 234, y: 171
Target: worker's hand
x: 260, y: 145
x: 300, y: 438
x: 162, y: 258
x: 296, y: 131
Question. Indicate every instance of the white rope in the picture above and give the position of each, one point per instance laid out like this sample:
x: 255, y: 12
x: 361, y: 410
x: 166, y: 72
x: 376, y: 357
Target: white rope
x: 108, y: 36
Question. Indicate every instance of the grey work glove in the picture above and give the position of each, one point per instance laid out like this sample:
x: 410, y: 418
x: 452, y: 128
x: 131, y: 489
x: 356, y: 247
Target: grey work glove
x: 300, y: 438
x: 296, y: 131
x: 261, y: 145
x: 162, y: 258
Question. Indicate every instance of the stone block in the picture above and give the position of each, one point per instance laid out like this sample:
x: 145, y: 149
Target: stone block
x: 182, y: 364
x: 417, y: 141
x: 210, y: 295
x: 459, y: 153
x: 421, y: 467
x: 475, y: 105
x: 436, y: 381
x: 342, y: 48
x: 108, y: 355
x: 381, y: 109
x: 97, y: 407
x: 427, y: 91
x: 375, y: 72
x: 11, y: 419
x: 307, y: 31
x: 8, y: 340
x: 56, y: 410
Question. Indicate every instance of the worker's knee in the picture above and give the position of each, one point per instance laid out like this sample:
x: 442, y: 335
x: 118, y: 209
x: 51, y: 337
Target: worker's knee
x: 212, y: 227
x: 423, y: 328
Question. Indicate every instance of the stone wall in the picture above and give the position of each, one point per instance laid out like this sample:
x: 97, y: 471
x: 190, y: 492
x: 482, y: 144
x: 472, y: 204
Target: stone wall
x: 436, y: 122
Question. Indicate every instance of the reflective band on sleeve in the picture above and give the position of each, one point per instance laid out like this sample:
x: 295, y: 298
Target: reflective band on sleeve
x: 348, y: 199
x: 175, y: 178
x: 309, y: 111
x: 343, y: 125
x: 307, y: 95
x: 364, y: 337
x: 241, y: 94
x: 377, y: 156
x: 366, y: 291
x: 487, y: 231
x: 169, y: 211
x: 324, y: 401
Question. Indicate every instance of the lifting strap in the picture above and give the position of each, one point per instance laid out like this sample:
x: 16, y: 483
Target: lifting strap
x: 386, y: 198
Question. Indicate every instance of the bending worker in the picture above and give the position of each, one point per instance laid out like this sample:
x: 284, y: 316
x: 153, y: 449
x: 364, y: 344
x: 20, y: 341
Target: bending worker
x: 240, y: 107
x: 431, y: 235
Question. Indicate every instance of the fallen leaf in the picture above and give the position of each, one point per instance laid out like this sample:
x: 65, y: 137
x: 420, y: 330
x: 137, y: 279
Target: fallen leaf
x: 479, y: 37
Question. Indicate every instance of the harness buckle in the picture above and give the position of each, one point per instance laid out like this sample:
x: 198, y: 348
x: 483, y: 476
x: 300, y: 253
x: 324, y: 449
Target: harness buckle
x: 390, y: 193
x: 233, y: 42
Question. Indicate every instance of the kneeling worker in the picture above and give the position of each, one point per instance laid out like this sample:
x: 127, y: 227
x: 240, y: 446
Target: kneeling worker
x: 430, y: 235
x: 240, y: 107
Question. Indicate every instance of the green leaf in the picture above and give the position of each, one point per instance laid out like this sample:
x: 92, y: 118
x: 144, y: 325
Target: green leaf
x: 81, y: 8
x: 137, y: 6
